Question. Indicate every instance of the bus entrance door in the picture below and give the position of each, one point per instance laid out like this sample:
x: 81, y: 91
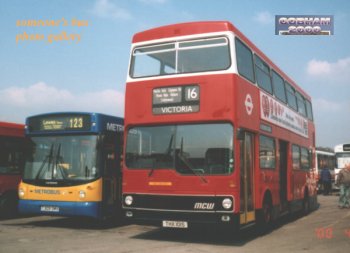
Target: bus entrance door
x: 110, y: 194
x: 247, y: 212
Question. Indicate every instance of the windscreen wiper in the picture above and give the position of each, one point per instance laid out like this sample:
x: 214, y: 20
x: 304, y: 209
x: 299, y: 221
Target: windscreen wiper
x: 48, y: 157
x: 188, y: 163
x: 59, y: 159
x: 170, y: 145
x: 150, y: 173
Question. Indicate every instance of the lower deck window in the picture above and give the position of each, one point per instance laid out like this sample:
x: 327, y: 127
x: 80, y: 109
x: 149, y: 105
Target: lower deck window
x: 296, y: 157
x: 267, y: 154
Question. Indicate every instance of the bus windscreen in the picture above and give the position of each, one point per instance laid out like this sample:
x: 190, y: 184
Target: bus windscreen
x: 62, y: 158
x: 183, y: 148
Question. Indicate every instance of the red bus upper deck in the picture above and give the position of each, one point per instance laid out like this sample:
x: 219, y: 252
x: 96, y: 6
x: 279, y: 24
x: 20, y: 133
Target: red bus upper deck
x: 11, y: 164
x: 218, y: 134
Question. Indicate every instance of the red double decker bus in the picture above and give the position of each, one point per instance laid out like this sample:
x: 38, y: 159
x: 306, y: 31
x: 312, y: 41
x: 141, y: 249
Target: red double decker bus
x: 215, y: 132
x: 12, y: 149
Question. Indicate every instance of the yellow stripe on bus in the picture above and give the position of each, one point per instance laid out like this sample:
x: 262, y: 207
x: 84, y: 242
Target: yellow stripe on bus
x: 93, y: 192
x: 160, y: 183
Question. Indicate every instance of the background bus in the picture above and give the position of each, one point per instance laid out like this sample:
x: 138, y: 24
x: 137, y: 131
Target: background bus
x: 342, y: 157
x: 12, y: 151
x: 74, y: 165
x: 325, y: 158
x: 209, y: 139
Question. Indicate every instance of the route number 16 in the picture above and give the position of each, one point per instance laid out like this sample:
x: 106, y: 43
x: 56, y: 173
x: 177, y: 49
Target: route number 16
x: 192, y: 93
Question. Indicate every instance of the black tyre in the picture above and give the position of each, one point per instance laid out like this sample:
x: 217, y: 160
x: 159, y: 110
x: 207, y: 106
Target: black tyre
x: 264, y: 219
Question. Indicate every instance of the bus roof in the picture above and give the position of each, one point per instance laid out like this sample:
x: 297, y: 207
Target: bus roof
x: 183, y: 29
x: 73, y: 113
x: 201, y: 27
x: 11, y: 129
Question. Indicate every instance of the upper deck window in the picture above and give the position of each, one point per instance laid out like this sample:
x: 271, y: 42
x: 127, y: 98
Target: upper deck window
x: 263, y: 78
x: 153, y: 60
x: 210, y: 54
x: 309, y: 110
x: 244, y: 61
x: 292, y: 101
x: 301, y: 104
x: 278, y: 87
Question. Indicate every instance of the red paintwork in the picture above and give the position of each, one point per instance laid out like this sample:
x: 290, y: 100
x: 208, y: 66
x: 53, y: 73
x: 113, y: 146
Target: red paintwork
x: 11, y: 129
x: 10, y: 182
x: 222, y: 98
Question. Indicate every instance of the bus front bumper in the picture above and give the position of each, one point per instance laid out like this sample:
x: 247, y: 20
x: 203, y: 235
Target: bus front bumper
x: 60, y: 208
x: 159, y: 218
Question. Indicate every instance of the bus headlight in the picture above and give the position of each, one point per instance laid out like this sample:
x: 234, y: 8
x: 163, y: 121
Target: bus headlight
x: 20, y: 192
x: 128, y: 200
x: 227, y: 203
x: 82, y: 194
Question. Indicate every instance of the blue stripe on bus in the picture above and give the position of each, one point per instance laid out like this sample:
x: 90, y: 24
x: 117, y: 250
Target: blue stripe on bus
x: 65, y: 208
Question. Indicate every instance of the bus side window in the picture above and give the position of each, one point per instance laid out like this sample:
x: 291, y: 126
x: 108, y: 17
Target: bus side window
x: 291, y: 99
x: 244, y: 61
x: 267, y: 153
x: 296, y: 157
x: 304, y: 158
x: 278, y: 87
x: 309, y: 110
x: 12, y: 153
x: 301, y: 104
x: 262, y: 72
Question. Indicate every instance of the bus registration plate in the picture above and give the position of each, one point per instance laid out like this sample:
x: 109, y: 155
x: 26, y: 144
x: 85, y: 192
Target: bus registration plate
x: 174, y: 224
x: 54, y: 209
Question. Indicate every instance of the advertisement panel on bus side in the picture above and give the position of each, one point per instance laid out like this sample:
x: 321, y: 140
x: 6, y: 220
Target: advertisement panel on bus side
x: 277, y: 113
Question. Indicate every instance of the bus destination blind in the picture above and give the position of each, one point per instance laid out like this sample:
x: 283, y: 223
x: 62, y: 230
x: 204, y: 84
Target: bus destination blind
x: 176, y: 99
x: 60, y: 123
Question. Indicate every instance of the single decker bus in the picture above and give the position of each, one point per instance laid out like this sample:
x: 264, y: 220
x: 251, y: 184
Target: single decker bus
x: 218, y: 135
x: 12, y: 152
x: 73, y: 168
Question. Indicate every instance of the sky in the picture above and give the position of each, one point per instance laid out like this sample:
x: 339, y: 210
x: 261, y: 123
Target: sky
x: 79, y: 61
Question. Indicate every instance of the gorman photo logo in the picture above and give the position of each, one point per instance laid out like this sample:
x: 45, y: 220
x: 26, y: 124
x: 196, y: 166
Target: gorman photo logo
x: 304, y: 25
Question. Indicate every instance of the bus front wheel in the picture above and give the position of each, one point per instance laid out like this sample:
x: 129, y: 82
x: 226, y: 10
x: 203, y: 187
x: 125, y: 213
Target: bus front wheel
x: 265, y: 215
